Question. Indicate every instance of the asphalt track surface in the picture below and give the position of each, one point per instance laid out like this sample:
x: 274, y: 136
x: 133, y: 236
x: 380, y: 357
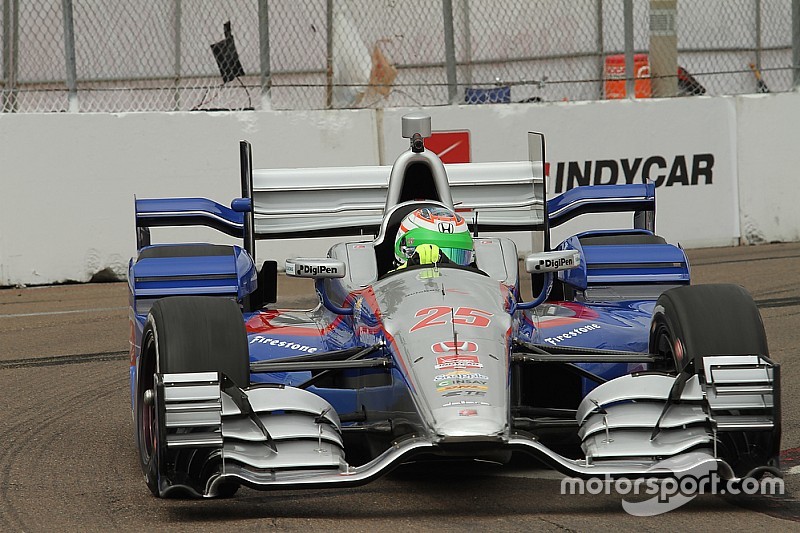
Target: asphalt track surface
x: 67, y: 461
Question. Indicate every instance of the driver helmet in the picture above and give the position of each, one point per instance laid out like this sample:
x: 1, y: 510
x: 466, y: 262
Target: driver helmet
x: 438, y: 226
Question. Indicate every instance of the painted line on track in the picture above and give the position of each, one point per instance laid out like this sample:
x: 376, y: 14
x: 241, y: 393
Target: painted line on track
x: 71, y: 312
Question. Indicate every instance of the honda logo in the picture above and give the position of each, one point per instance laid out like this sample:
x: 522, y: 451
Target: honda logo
x: 455, y: 346
x: 445, y: 227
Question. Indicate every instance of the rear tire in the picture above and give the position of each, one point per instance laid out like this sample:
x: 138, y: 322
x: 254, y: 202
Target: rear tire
x: 185, y: 334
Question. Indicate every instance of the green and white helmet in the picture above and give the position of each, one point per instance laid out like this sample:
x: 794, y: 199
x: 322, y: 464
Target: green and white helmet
x: 434, y: 225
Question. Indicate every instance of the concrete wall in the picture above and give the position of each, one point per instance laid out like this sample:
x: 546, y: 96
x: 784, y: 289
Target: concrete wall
x: 768, y: 160
x: 67, y: 182
x: 724, y: 168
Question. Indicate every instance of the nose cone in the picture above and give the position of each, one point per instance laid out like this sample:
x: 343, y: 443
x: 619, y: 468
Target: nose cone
x: 470, y: 422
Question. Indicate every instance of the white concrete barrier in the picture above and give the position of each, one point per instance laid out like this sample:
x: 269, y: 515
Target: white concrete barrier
x: 724, y: 169
x: 68, y: 181
x: 768, y: 159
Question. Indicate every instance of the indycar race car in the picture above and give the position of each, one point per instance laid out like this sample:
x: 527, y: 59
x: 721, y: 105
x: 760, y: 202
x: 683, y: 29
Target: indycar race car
x: 615, y: 366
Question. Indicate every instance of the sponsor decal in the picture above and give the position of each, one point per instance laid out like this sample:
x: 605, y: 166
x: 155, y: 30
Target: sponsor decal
x: 460, y: 374
x: 465, y: 402
x: 473, y: 393
x: 556, y: 339
x: 462, y: 387
x: 370, y: 336
x: 441, y: 315
x: 694, y: 169
x: 453, y: 346
x: 458, y: 361
x: 449, y: 382
x: 450, y: 146
x: 468, y: 412
x: 259, y: 339
x: 286, y: 324
x: 555, y: 263
x: 313, y: 270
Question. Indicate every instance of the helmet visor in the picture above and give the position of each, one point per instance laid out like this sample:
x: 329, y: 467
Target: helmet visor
x: 458, y: 256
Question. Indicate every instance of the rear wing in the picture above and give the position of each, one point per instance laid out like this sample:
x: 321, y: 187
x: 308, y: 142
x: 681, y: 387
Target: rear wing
x: 639, y: 198
x: 313, y: 202
x: 351, y: 201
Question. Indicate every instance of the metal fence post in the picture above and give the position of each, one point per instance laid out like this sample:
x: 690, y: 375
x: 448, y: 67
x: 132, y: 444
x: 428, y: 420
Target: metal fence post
x: 664, y: 48
x: 176, y: 30
x: 10, y: 54
x: 449, y: 50
x: 69, y: 54
x: 796, y: 44
x: 329, y: 55
x: 6, y: 52
x: 600, y: 48
x: 467, y: 43
x: 263, y: 46
x: 627, y: 13
x: 758, y: 35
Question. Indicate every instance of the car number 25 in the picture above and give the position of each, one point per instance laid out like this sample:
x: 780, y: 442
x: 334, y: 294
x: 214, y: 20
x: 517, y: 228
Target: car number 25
x: 440, y: 315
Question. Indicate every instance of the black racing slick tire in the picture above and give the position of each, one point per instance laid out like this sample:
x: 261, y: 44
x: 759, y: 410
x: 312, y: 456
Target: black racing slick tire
x: 693, y: 322
x: 699, y: 320
x: 184, y: 334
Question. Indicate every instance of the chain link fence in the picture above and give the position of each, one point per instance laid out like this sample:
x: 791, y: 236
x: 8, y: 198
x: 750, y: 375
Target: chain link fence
x: 181, y: 55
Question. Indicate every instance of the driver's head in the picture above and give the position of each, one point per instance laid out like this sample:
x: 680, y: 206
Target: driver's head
x: 434, y: 226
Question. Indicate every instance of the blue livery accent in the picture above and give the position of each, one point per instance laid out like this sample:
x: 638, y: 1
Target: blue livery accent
x: 625, y: 263
x: 242, y: 205
x: 636, y: 197
x: 153, y: 212
x: 184, y: 269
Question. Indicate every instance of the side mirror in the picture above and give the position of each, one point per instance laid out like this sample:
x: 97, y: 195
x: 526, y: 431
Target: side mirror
x: 541, y: 262
x: 315, y: 268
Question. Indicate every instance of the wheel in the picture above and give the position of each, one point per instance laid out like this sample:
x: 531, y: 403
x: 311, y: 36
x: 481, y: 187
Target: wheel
x: 693, y: 321
x: 184, y: 334
x: 706, y: 320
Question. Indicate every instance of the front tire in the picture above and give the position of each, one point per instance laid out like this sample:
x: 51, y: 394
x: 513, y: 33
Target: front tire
x: 184, y: 334
x: 693, y: 322
x: 699, y: 320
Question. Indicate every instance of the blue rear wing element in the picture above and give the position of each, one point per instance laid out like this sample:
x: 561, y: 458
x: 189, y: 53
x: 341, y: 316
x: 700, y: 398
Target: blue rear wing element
x: 640, y: 198
x: 192, y: 269
x: 614, y: 264
x: 186, y: 212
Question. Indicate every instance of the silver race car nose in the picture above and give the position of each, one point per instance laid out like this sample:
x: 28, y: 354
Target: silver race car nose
x: 469, y: 423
